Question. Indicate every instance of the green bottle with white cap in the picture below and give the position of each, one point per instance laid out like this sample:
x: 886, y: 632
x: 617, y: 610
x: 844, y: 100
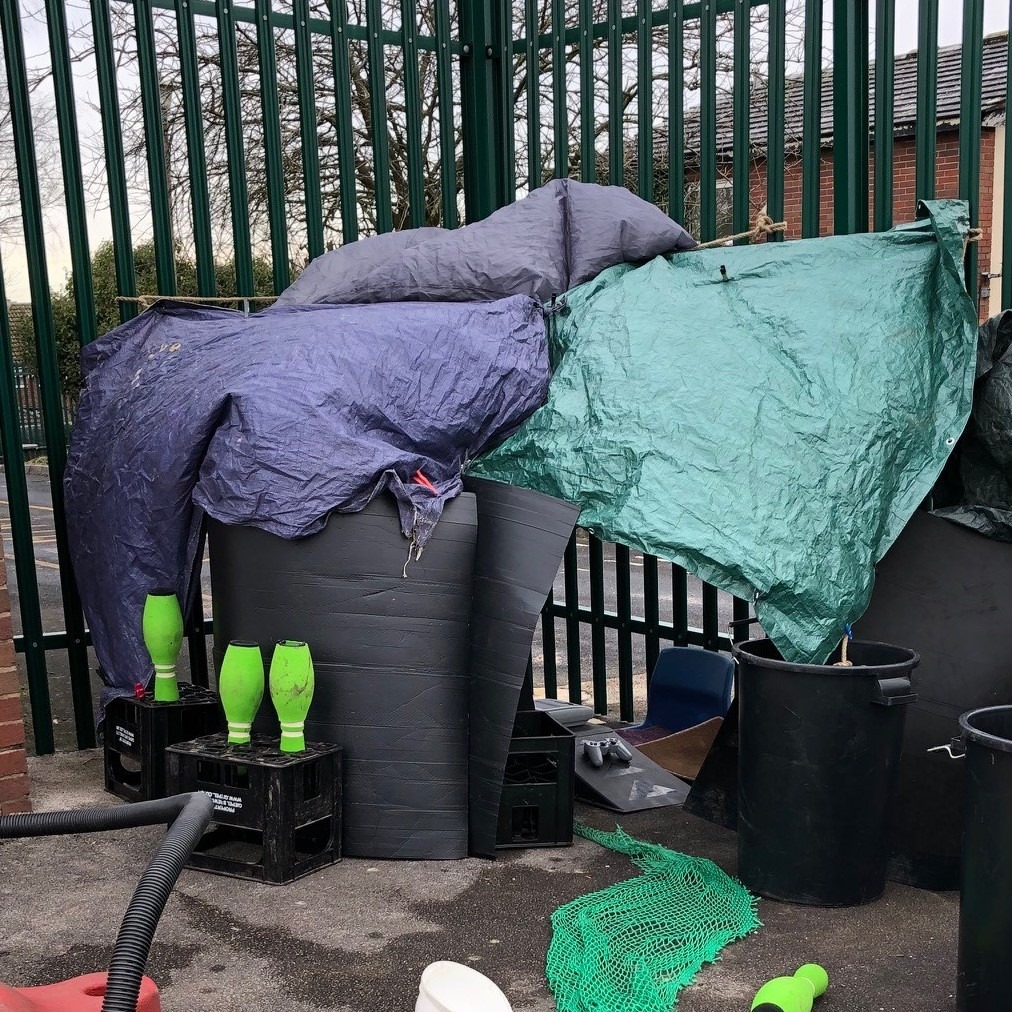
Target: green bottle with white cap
x: 241, y: 688
x: 162, y: 626
x: 292, y: 683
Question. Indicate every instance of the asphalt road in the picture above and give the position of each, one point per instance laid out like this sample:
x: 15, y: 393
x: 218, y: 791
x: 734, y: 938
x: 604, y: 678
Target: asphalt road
x: 48, y: 576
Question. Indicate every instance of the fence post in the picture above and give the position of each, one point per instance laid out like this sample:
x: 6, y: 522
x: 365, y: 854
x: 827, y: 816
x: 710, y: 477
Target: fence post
x: 484, y: 168
x: 45, y: 341
x: 24, y: 549
x: 972, y: 58
x: 850, y: 117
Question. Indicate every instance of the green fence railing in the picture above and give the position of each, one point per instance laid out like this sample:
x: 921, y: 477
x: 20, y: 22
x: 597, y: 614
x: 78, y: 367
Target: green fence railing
x: 30, y: 424
x: 240, y: 139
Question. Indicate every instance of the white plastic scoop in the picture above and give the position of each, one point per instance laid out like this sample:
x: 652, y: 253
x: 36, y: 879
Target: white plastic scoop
x: 453, y: 987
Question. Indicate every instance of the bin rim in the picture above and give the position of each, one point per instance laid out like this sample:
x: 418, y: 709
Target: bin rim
x: 900, y: 667
x: 979, y: 737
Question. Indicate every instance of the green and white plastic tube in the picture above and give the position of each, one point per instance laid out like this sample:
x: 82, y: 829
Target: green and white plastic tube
x: 292, y: 682
x: 162, y: 625
x: 241, y: 688
x: 792, y: 994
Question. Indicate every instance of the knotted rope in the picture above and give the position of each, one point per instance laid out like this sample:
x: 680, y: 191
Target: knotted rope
x: 764, y: 225
x: 848, y: 635
x: 972, y: 236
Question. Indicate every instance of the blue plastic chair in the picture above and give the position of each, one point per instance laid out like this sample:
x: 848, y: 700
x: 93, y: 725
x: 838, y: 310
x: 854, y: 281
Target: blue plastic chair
x: 688, y: 686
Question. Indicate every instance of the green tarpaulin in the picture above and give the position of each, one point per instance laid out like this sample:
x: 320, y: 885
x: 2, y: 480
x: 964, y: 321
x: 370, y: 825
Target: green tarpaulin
x: 772, y: 432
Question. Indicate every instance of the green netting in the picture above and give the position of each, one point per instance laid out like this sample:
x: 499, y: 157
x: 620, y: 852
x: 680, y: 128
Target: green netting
x: 633, y: 946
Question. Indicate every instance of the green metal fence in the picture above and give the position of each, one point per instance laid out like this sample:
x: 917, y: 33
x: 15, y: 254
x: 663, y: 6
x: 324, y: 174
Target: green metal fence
x: 235, y: 140
x: 29, y: 413
x: 28, y: 409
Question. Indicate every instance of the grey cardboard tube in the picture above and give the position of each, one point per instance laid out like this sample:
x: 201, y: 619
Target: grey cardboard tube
x: 391, y: 658
x: 522, y: 536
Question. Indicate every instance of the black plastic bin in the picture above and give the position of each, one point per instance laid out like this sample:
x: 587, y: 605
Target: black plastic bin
x: 818, y: 758
x: 985, y: 908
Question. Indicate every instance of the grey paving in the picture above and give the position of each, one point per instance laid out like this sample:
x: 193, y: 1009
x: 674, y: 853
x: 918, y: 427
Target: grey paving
x: 355, y: 937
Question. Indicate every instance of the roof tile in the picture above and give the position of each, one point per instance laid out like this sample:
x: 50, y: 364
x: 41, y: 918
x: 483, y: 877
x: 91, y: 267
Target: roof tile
x: 993, y: 92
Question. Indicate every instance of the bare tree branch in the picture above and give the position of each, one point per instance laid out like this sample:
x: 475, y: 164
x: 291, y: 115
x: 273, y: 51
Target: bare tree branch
x: 395, y: 127
x: 47, y: 155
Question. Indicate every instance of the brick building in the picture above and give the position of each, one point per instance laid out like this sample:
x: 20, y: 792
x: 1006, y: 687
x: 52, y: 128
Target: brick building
x: 904, y: 151
x: 13, y: 763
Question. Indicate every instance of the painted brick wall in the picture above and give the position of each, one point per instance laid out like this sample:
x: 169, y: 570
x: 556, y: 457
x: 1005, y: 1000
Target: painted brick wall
x: 904, y: 197
x: 13, y: 767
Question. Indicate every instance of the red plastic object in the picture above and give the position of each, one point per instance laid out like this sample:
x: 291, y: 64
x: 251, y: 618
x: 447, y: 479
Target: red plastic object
x: 420, y: 479
x: 82, y: 994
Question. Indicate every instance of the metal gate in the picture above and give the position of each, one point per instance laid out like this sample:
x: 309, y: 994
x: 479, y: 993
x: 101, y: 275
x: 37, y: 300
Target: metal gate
x: 211, y: 149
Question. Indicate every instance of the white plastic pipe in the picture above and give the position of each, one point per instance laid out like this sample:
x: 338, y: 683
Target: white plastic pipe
x: 453, y: 987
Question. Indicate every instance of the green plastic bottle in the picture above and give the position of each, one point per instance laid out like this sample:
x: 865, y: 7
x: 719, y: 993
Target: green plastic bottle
x: 792, y: 994
x: 292, y: 682
x: 241, y: 688
x: 162, y: 625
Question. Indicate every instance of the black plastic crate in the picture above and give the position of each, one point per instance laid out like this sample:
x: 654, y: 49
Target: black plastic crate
x: 536, y: 809
x: 277, y: 814
x: 137, y: 732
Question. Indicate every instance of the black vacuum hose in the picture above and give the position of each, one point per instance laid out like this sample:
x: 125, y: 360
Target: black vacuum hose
x: 189, y: 815
x: 93, y: 820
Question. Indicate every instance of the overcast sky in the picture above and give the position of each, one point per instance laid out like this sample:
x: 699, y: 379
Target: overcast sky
x: 949, y: 32
x: 950, y: 21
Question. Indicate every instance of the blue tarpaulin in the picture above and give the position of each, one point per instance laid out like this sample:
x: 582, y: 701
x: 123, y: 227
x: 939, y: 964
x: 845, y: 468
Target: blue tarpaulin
x: 315, y: 405
x: 275, y: 420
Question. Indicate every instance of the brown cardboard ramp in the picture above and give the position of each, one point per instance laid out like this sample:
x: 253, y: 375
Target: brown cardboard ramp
x: 684, y: 752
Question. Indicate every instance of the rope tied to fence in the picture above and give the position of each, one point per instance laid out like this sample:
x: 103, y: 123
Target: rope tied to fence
x: 764, y: 225
x: 145, y: 301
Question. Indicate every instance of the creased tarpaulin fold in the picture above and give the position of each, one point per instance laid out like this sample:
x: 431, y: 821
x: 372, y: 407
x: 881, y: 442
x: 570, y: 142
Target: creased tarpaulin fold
x: 559, y: 236
x: 978, y: 493
x: 275, y: 420
x: 774, y: 432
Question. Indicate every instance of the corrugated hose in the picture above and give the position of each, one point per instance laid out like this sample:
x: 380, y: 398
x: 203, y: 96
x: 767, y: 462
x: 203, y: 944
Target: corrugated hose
x: 188, y: 816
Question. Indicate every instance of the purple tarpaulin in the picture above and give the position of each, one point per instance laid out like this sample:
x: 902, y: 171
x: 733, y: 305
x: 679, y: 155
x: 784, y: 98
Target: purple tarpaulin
x: 561, y: 235
x: 319, y: 403
x: 275, y: 420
